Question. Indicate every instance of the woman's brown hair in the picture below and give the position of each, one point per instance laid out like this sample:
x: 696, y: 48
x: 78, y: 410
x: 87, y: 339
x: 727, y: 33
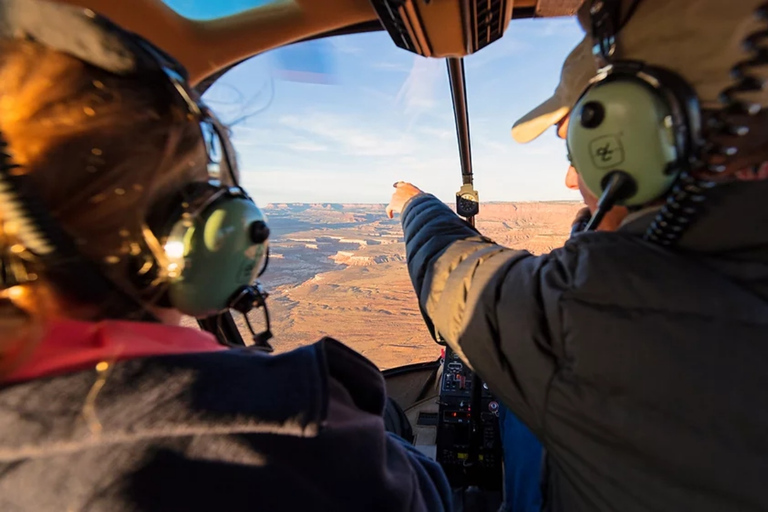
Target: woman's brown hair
x: 102, y: 150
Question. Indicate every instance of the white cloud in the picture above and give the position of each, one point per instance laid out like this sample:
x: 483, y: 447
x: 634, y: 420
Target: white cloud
x: 418, y: 92
x: 350, y: 145
x: 345, y: 46
x: 437, y: 133
x: 245, y: 136
x: 550, y: 27
x: 390, y: 66
x: 510, y: 45
x: 306, y: 146
x: 352, y: 135
x: 492, y: 145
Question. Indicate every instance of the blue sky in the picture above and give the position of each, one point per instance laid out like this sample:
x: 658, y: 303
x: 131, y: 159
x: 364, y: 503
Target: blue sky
x: 382, y: 114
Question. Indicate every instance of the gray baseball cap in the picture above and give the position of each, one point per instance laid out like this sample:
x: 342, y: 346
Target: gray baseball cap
x: 578, y: 69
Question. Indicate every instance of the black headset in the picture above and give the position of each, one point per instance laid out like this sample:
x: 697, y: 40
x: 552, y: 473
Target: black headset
x: 202, y: 256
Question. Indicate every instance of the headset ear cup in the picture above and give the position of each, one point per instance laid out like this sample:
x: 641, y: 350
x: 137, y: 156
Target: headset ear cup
x: 205, y: 245
x: 625, y: 122
x: 221, y: 255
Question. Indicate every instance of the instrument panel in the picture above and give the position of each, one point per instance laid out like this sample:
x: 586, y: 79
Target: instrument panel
x: 468, y: 441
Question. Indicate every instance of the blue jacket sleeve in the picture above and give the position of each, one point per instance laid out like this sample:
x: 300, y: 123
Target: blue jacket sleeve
x: 487, y: 302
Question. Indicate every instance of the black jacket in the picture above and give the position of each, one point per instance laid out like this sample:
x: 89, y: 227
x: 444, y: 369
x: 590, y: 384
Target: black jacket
x: 223, y: 431
x: 643, y: 370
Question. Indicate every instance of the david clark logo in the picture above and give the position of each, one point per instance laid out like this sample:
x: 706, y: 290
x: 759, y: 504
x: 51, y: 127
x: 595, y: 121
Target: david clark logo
x: 606, y: 151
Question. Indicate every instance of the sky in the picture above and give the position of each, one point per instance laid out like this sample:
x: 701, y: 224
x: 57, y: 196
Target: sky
x: 341, y: 119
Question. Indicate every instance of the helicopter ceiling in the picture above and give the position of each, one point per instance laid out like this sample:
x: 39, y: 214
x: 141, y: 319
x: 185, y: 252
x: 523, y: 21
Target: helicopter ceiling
x: 206, y: 47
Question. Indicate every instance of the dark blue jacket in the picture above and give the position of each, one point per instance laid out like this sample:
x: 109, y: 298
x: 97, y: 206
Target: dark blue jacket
x: 233, y: 431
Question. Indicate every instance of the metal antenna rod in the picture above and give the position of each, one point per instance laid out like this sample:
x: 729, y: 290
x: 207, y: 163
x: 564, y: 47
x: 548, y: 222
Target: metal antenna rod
x: 459, y: 96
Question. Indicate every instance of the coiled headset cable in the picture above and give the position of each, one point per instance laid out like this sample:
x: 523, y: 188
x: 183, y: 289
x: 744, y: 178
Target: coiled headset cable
x: 688, y: 196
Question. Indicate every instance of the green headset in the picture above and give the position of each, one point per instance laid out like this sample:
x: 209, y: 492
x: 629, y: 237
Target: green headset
x: 632, y: 132
x: 200, y: 256
x: 635, y: 134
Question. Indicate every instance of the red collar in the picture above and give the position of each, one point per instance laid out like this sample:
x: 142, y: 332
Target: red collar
x: 71, y: 345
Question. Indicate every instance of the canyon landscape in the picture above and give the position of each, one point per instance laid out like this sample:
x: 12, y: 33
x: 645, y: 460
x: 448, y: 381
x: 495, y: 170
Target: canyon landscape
x: 339, y: 270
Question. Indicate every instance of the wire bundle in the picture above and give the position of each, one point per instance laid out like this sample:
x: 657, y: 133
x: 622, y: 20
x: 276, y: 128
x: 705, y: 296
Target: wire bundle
x: 688, y: 195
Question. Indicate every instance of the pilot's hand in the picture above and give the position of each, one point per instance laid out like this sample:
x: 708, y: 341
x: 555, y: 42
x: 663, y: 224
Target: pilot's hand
x: 404, y: 192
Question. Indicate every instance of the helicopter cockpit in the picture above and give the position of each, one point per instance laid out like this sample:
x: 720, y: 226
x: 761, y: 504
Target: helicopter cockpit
x: 445, y: 409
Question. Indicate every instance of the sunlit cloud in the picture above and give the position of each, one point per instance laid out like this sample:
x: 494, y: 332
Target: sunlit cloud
x: 433, y: 132
x: 306, y: 146
x: 418, y: 93
x: 346, y: 46
x: 510, y: 45
x: 390, y: 66
x: 352, y: 135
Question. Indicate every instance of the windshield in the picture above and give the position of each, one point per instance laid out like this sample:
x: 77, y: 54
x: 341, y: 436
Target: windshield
x: 323, y: 128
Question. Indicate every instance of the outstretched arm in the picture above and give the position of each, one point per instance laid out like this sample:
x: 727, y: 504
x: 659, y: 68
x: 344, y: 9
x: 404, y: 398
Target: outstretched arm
x: 488, y: 302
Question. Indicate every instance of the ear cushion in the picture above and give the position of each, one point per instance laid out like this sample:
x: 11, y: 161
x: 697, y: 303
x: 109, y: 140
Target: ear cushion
x: 162, y: 217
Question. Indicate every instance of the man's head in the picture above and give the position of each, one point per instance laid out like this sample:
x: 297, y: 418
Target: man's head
x: 700, y: 41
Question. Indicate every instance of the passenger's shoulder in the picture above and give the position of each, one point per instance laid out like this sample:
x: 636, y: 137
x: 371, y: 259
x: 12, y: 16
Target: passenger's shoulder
x: 312, y: 374
x: 304, y: 377
x: 357, y: 374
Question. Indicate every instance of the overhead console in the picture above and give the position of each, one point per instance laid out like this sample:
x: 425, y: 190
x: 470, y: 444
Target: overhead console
x: 444, y: 28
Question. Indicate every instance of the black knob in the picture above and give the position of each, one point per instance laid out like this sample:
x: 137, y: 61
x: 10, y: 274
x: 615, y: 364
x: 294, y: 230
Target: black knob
x: 259, y: 232
x: 592, y: 114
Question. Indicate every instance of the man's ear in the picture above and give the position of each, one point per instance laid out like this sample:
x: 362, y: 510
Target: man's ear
x: 572, y: 178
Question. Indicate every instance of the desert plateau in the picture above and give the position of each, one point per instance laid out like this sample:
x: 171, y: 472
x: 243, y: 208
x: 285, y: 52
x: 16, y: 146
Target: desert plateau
x: 339, y: 270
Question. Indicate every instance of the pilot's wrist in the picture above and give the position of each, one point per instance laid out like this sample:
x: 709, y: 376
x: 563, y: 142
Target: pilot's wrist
x: 410, y: 200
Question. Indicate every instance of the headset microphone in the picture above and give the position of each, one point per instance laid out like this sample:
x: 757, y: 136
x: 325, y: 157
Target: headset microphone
x: 618, y: 187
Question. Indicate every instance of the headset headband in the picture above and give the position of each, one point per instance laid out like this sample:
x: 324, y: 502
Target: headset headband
x: 81, y: 33
x: 96, y: 40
